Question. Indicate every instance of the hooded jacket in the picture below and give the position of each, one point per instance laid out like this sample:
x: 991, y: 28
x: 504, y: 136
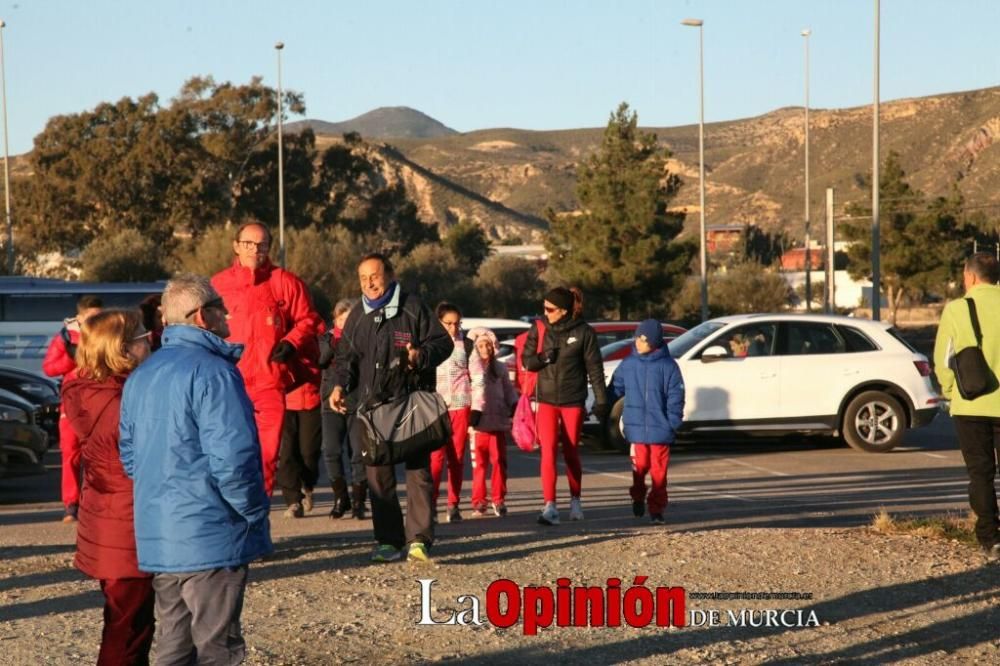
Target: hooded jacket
x: 578, y: 357
x: 492, y: 393
x: 105, y: 538
x: 189, y: 442
x: 59, y: 358
x: 654, y: 396
x: 266, y: 306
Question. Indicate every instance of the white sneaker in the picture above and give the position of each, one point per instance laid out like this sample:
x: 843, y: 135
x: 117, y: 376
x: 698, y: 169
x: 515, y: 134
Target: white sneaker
x: 575, y: 510
x: 549, y: 515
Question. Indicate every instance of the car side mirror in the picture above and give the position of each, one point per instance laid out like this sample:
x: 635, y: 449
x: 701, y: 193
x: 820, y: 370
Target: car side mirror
x: 714, y: 353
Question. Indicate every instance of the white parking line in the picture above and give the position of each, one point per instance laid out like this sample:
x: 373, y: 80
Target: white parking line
x: 934, y: 455
x: 687, y: 489
x: 755, y: 467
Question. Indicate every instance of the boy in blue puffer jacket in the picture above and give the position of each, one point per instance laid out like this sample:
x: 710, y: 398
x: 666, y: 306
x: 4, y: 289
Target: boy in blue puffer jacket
x: 653, y: 388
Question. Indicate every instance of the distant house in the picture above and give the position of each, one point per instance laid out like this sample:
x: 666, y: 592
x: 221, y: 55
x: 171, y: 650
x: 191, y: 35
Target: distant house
x: 725, y: 239
x: 794, y: 259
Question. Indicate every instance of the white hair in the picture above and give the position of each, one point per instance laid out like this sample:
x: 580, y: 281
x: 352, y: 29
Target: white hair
x: 184, y: 293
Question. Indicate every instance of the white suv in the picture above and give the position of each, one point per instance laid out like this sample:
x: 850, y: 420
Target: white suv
x: 810, y: 374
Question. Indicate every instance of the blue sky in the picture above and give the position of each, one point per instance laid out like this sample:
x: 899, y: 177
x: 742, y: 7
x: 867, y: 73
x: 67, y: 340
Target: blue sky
x: 474, y: 64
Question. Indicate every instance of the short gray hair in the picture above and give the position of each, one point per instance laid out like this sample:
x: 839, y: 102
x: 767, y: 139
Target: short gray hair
x: 184, y: 293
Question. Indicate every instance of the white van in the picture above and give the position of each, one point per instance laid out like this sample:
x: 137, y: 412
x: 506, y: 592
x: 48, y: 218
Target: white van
x: 32, y: 311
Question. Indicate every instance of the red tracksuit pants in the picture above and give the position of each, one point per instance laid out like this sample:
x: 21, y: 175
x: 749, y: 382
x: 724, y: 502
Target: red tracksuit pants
x: 557, y: 424
x: 454, y: 453
x: 489, y: 448
x: 69, y: 447
x: 269, y: 413
x: 650, y: 459
x: 128, y: 622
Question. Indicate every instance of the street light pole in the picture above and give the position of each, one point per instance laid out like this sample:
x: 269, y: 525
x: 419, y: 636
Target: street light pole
x: 876, y: 232
x: 6, y: 159
x: 806, y: 33
x: 698, y: 23
x: 281, y: 165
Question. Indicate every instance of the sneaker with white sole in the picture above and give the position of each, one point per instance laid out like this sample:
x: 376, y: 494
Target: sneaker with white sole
x: 386, y: 553
x: 549, y: 515
x: 454, y: 515
x: 294, y: 511
x: 307, y: 500
x: 499, y: 510
x: 575, y: 510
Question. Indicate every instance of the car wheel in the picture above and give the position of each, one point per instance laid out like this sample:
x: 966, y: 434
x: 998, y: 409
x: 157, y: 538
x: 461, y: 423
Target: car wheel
x: 874, y: 421
x: 613, y: 428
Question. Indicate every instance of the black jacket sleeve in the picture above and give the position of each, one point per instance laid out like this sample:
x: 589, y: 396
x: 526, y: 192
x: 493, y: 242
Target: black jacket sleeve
x: 327, y: 350
x: 434, y: 343
x: 346, y: 357
x: 595, y: 367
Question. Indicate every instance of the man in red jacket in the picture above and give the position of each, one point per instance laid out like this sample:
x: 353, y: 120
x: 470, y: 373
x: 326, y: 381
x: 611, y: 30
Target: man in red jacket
x: 271, y: 314
x: 60, y: 361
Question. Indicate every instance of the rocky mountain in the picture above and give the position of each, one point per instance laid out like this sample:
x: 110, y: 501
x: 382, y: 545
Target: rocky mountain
x: 387, y: 122
x: 505, y: 179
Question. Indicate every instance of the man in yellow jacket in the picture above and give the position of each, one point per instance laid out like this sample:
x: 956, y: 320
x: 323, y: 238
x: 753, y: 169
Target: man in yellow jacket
x: 977, y: 421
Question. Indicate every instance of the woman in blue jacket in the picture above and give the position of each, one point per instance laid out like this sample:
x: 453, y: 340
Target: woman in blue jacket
x: 653, y: 388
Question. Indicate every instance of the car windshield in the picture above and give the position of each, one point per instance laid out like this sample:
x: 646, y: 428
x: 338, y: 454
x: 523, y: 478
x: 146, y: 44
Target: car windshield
x: 683, y: 343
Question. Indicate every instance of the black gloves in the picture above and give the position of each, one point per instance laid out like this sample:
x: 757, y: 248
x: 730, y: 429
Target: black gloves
x: 283, y: 352
x: 549, y: 356
x: 601, y: 410
x: 474, y: 417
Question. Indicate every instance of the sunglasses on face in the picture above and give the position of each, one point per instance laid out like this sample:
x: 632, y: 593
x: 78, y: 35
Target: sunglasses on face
x: 214, y: 303
x: 550, y: 309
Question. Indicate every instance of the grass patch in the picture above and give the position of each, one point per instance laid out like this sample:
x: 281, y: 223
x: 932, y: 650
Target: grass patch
x: 951, y: 527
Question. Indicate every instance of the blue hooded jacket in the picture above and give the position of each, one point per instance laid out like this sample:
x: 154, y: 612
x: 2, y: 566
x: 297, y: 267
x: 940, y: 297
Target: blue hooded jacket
x: 654, y: 396
x: 189, y: 442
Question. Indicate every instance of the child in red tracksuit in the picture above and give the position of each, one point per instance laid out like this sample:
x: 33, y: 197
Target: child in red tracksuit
x: 653, y: 387
x: 493, y: 402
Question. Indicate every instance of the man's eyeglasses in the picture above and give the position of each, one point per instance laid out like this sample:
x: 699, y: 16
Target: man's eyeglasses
x: 263, y: 246
x: 214, y: 303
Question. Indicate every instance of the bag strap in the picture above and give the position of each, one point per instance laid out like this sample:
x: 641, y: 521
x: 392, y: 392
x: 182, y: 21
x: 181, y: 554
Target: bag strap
x: 975, y: 322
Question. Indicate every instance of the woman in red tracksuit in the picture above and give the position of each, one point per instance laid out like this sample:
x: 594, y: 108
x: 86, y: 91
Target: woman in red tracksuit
x: 569, y: 356
x: 114, y: 342
x: 493, y: 402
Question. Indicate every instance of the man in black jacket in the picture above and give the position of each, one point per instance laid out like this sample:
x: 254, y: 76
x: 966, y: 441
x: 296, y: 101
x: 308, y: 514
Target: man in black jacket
x: 390, y: 327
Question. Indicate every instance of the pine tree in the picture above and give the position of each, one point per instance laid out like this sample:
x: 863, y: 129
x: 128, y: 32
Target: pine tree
x: 621, y: 248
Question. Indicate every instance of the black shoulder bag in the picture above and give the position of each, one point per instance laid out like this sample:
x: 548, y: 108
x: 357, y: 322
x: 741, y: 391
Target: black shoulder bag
x: 973, y: 375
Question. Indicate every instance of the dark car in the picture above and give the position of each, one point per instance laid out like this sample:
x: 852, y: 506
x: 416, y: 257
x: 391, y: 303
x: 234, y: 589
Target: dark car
x: 22, y: 442
x: 40, y: 391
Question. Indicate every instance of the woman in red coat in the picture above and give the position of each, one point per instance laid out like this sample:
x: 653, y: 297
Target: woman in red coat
x: 113, y: 343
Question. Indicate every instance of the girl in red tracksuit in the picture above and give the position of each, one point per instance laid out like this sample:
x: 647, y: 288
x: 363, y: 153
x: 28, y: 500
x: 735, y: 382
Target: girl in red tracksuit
x: 493, y: 402
x: 568, y: 356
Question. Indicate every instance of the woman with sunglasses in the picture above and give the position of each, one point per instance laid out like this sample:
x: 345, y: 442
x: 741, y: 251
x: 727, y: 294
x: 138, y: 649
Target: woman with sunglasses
x: 113, y: 343
x: 569, y: 355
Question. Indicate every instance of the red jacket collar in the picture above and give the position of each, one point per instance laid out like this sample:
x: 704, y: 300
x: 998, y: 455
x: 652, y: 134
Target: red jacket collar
x: 261, y: 274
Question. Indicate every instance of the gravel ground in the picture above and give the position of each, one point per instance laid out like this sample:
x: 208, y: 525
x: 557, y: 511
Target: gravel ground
x: 877, y: 599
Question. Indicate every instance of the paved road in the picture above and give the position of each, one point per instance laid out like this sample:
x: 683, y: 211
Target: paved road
x: 787, y: 483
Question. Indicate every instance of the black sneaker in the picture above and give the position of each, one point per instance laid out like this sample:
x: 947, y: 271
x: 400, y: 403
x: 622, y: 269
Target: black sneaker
x: 638, y: 509
x: 657, y: 519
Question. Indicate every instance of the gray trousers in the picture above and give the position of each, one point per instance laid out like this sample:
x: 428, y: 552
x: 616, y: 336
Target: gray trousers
x: 198, y: 617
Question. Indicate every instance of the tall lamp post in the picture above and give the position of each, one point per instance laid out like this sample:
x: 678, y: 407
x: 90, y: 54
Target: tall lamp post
x: 281, y: 165
x: 806, y: 33
x: 6, y: 153
x: 876, y: 240
x: 698, y: 23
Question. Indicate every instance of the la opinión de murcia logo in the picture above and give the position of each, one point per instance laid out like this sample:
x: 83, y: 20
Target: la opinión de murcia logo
x: 535, y: 606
